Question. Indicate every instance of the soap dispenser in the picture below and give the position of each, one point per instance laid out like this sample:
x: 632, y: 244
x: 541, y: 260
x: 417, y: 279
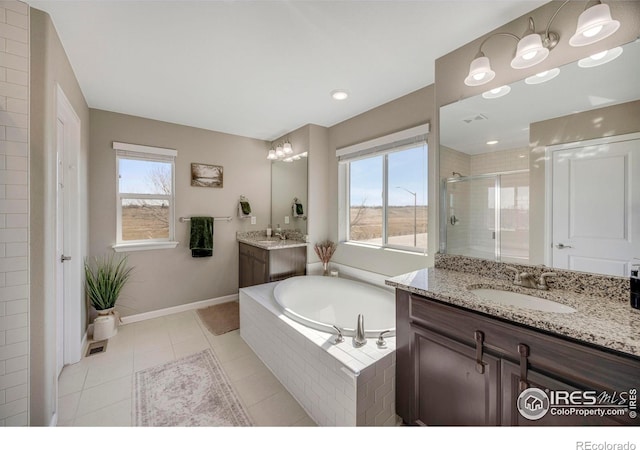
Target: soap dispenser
x: 635, y: 286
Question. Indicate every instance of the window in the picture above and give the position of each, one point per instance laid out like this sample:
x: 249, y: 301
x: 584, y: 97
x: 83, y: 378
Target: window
x: 384, y: 191
x: 145, y: 197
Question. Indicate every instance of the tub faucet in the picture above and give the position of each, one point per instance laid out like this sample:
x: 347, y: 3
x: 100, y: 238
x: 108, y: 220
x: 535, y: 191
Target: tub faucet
x: 359, y: 340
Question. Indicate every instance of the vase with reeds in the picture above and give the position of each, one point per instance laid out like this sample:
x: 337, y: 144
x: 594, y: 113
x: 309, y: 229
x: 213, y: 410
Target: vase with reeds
x: 324, y: 250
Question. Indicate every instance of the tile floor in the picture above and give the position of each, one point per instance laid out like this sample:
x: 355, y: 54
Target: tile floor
x: 97, y: 391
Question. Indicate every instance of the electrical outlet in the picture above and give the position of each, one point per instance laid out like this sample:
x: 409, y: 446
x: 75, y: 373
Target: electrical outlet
x: 253, y: 220
x: 286, y: 219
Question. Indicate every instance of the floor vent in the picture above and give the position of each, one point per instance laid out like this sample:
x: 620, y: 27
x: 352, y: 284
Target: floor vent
x: 97, y: 347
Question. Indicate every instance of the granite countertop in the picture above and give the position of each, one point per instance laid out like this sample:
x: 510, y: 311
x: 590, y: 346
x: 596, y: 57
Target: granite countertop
x: 599, y: 320
x: 272, y: 243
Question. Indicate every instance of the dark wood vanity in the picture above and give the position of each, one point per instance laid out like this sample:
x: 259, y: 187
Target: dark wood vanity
x: 262, y: 265
x: 460, y: 367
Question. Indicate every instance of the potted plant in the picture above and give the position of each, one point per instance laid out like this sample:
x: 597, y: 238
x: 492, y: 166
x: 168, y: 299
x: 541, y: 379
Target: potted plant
x: 105, y: 278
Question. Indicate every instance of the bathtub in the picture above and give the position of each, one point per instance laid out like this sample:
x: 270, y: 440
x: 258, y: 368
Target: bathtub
x: 321, y: 302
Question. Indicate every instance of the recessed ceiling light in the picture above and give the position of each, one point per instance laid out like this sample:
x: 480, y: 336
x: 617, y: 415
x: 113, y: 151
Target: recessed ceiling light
x: 600, y: 58
x: 492, y: 142
x: 542, y: 76
x: 497, y: 92
x: 339, y: 94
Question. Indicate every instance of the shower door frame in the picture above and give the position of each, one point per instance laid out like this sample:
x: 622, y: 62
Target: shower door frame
x: 498, y: 220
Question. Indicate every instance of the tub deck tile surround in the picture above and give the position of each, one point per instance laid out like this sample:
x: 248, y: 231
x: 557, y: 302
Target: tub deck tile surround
x: 338, y: 385
x: 603, y: 315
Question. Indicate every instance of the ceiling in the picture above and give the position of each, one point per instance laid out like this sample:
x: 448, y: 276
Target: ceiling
x: 262, y: 68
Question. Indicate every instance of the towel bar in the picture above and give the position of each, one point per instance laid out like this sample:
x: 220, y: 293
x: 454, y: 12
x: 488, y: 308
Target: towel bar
x: 217, y: 219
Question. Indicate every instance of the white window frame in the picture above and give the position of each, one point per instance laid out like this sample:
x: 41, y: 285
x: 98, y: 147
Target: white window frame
x: 385, y: 145
x: 144, y: 153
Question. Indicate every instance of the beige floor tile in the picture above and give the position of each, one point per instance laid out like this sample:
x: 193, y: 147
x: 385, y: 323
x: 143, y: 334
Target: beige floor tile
x: 306, y: 421
x: 257, y: 387
x: 72, y: 379
x: 106, y: 394
x: 190, y: 346
x: 152, y: 358
x: 67, y: 406
x: 108, y: 370
x: 116, y: 415
x: 151, y: 340
x: 182, y: 333
x: 278, y: 410
x: 243, y: 367
x: 229, y: 346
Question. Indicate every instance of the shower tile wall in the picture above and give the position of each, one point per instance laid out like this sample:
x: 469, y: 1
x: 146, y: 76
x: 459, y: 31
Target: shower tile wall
x: 458, y: 234
x: 14, y: 213
x: 481, y: 234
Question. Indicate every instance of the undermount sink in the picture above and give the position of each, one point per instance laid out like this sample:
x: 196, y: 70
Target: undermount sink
x: 522, y: 300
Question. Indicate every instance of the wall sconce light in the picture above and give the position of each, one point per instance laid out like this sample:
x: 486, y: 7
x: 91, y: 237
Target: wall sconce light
x: 594, y: 24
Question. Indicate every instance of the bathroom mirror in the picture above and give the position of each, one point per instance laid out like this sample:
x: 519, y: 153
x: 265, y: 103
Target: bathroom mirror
x: 288, y: 183
x: 502, y: 195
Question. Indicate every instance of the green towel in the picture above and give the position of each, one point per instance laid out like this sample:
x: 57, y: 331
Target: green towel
x: 299, y: 210
x: 246, y: 208
x: 201, y: 242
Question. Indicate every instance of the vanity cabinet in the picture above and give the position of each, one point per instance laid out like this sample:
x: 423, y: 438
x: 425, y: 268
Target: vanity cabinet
x: 259, y: 265
x: 459, y: 367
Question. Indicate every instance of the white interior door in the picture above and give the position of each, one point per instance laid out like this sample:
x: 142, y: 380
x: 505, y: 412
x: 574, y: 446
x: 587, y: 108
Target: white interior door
x: 59, y: 246
x: 69, y: 257
x: 596, y: 206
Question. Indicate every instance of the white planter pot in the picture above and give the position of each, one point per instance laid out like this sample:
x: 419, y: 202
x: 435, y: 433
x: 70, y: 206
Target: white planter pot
x: 104, y: 327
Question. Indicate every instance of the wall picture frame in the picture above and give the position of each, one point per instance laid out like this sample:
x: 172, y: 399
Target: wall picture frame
x: 206, y: 175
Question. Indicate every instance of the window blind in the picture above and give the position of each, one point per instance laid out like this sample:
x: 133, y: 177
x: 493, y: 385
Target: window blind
x: 395, y: 142
x: 136, y: 151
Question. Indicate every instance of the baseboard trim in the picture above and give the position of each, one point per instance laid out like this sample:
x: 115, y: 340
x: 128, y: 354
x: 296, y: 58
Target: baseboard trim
x: 178, y: 309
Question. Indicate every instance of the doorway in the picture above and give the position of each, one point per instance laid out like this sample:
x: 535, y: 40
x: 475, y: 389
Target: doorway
x: 68, y: 256
x: 595, y: 217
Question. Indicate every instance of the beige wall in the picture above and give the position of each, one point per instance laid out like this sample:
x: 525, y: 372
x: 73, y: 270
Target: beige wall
x: 452, y: 68
x: 405, y: 112
x: 49, y: 68
x: 166, y: 278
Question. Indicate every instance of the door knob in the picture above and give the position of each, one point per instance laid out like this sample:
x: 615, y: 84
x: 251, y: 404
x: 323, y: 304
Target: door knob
x: 65, y: 258
x: 562, y: 246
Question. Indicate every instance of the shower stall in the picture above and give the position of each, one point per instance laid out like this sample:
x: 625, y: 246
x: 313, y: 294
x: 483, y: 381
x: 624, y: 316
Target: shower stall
x: 486, y: 216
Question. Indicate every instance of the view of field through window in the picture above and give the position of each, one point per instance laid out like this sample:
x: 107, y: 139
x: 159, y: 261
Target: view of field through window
x: 145, y: 190
x: 406, y: 209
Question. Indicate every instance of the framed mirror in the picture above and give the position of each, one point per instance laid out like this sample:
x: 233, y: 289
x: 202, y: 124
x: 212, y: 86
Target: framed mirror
x: 546, y: 169
x: 289, y: 194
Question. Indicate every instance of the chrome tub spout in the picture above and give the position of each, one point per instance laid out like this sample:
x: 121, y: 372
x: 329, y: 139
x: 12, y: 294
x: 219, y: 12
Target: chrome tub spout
x: 359, y: 340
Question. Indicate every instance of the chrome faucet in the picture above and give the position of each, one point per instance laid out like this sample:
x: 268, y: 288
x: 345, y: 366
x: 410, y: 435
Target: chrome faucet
x: 339, y: 337
x: 282, y: 235
x: 542, y: 283
x: 359, y: 340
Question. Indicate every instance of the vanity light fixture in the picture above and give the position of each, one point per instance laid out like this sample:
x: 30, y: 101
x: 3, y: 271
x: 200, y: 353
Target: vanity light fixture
x: 600, y: 58
x: 272, y: 154
x: 286, y: 147
x: 281, y: 151
x: 497, y: 92
x: 594, y: 24
x: 543, y: 77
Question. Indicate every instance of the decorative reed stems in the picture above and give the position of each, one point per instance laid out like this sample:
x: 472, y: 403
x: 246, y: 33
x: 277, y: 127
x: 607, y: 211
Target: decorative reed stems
x: 324, y: 250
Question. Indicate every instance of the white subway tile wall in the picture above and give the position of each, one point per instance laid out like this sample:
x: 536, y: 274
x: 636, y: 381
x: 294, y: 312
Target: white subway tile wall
x: 14, y: 213
x: 337, y: 385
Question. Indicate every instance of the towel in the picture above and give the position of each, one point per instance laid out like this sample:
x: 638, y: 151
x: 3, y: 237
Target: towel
x: 245, y: 209
x: 201, y: 242
x: 298, y: 211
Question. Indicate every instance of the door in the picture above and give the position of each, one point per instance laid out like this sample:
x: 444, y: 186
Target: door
x: 596, y: 207
x: 68, y: 257
x: 449, y: 388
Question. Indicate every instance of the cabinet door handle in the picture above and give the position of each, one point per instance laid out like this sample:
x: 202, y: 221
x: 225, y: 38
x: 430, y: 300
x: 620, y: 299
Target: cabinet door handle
x: 479, y: 338
x: 523, y: 350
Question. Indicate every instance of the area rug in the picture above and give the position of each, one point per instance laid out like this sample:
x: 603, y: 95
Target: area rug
x: 189, y: 392
x: 222, y: 318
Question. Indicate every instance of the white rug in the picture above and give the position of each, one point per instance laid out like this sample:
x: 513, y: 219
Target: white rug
x: 192, y: 391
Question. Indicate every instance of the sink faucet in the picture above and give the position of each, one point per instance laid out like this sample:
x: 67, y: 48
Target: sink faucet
x: 359, y: 340
x: 282, y: 235
x: 528, y: 280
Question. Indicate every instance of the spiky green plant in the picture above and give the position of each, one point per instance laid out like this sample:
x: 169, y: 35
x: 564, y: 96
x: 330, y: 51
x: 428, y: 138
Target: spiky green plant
x: 105, y: 279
